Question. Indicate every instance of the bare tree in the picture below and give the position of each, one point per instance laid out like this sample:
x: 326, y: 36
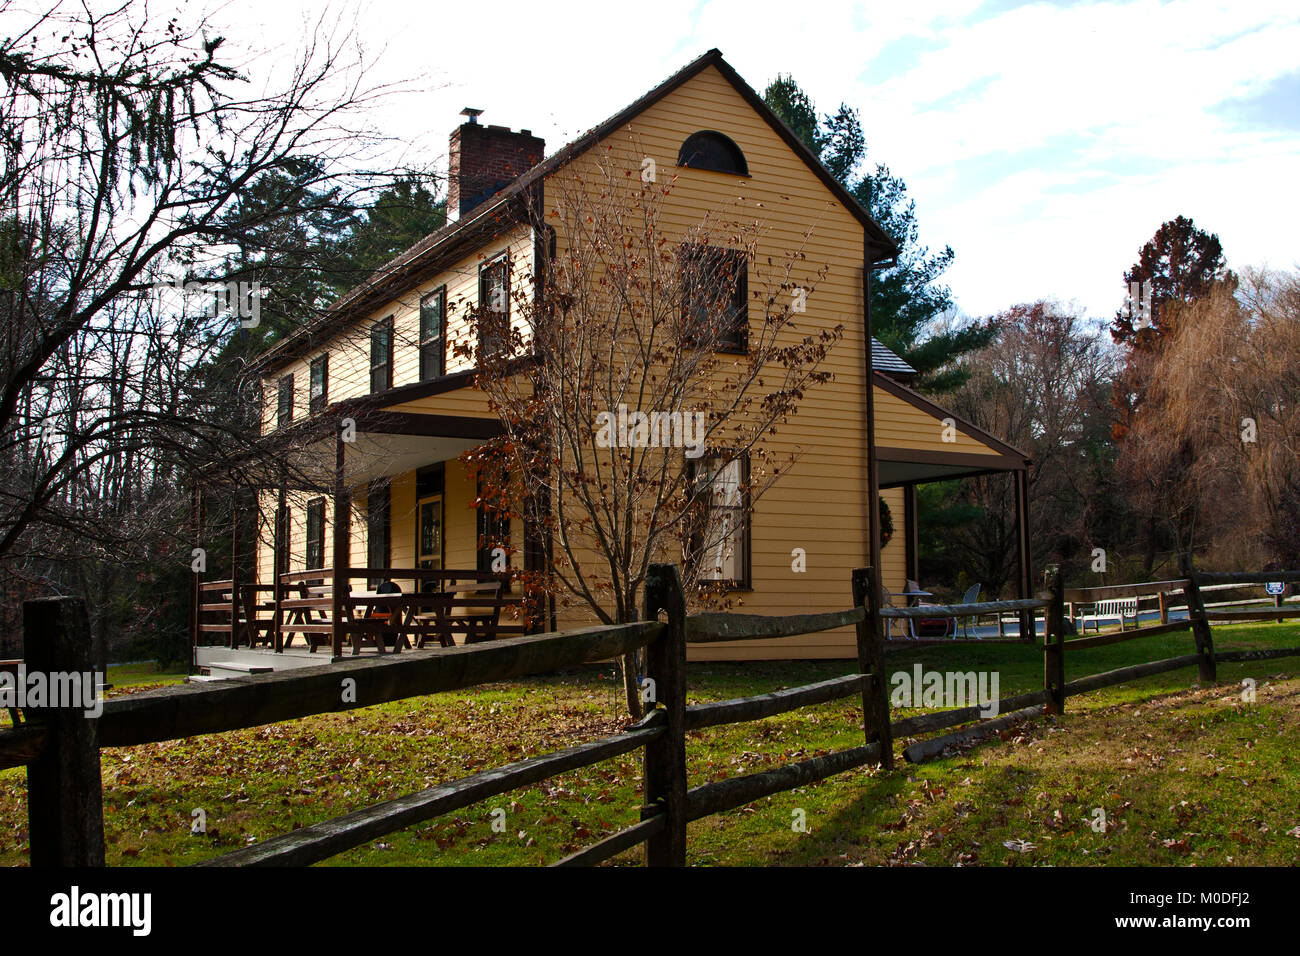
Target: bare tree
x: 1043, y: 385
x: 642, y: 389
x: 135, y: 160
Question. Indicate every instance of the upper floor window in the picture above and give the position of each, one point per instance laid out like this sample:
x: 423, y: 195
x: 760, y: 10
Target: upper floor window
x: 284, y: 401
x: 319, y: 385
x: 494, y: 303
x: 381, y: 355
x: 715, y: 296
x: 433, y: 308
x: 709, y: 149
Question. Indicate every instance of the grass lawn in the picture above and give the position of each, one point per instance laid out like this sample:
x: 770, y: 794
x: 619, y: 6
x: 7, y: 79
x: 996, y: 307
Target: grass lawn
x: 1184, y: 775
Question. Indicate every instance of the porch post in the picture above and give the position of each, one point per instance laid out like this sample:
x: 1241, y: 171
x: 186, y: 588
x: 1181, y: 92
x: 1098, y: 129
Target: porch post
x: 912, y: 536
x: 234, y: 567
x: 1024, y: 554
x: 195, y: 535
x: 280, y: 534
x: 873, y: 476
x: 342, y: 552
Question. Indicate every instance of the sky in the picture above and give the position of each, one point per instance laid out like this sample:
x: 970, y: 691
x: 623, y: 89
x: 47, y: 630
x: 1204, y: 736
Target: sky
x: 1045, y: 142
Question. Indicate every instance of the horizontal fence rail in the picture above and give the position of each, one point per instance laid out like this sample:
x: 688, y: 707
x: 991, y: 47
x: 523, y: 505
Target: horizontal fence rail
x: 707, y: 628
x: 1101, y: 640
x: 745, y: 709
x: 963, y: 610
x: 1246, y: 577
x: 23, y: 744
x: 1252, y: 614
x: 616, y: 843
x: 926, y: 749
x: 1109, y: 592
x: 723, y: 795
x: 242, y: 702
x: 1123, y: 675
x: 940, y: 719
x: 320, y: 841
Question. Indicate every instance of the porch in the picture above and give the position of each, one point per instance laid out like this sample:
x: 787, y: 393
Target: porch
x: 356, y: 531
x: 917, y: 442
x: 411, y: 608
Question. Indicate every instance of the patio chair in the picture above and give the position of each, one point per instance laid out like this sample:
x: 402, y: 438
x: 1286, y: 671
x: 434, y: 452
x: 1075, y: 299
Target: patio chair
x: 887, y: 598
x: 971, y: 596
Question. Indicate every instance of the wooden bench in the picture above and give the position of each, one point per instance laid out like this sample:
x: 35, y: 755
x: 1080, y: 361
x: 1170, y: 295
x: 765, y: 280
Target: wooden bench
x: 473, y: 609
x: 1115, y: 608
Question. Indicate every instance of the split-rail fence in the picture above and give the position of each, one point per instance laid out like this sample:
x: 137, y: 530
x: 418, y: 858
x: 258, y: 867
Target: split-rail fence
x: 61, y: 746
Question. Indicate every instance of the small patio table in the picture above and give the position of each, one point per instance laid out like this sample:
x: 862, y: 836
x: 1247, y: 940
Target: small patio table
x: 915, y: 598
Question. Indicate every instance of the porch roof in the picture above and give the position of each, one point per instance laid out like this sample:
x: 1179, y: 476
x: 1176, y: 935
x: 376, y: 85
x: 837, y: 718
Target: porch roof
x: 918, y: 440
x: 387, y: 440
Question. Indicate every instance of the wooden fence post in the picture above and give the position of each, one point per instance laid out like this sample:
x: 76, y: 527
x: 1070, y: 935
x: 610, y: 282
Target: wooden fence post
x: 871, y: 660
x: 1164, y: 607
x: 65, y: 807
x: 1054, y: 642
x: 1206, y: 672
x: 665, y: 757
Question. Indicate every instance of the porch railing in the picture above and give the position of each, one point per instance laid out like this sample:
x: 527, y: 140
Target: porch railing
x: 304, y: 604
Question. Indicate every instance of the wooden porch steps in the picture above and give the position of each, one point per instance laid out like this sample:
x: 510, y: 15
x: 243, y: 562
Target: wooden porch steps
x: 217, y: 670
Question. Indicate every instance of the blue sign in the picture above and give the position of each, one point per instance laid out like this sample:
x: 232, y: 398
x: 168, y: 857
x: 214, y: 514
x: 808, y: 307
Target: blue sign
x: 1274, y: 587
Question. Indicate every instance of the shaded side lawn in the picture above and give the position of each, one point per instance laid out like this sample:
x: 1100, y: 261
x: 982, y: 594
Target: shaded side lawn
x: 1183, y: 775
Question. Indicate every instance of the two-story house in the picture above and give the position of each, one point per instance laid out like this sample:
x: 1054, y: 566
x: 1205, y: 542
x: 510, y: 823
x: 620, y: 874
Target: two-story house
x: 393, y: 494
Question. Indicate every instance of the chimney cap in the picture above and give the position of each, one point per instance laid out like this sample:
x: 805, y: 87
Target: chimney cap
x: 472, y: 113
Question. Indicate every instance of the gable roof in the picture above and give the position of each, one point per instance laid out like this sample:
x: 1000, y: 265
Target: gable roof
x: 1006, y: 450
x: 496, y: 213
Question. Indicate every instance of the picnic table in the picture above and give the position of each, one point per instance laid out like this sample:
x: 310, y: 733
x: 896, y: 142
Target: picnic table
x: 384, y: 617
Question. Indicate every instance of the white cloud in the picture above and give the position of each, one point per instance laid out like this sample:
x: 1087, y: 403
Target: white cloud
x: 1044, y: 143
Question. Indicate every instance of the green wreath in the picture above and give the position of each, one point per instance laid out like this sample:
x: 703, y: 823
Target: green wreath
x: 886, y: 523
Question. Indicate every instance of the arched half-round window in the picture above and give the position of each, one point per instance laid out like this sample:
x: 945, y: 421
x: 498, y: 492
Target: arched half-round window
x: 709, y: 149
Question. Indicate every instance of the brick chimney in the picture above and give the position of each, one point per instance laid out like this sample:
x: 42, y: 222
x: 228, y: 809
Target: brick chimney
x: 484, y: 159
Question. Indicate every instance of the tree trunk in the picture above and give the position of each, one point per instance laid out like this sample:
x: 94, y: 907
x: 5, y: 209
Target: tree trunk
x: 1149, y: 558
x: 632, y: 668
x: 633, y: 665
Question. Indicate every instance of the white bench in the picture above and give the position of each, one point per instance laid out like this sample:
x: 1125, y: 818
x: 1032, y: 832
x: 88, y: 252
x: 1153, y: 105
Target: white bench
x: 1116, y: 608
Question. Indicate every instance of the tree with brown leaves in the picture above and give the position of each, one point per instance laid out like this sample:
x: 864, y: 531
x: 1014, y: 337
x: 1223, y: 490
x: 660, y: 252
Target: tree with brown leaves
x: 642, y: 390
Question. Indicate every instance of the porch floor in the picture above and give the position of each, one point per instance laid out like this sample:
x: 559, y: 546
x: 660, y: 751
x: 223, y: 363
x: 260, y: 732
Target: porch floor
x: 244, y: 661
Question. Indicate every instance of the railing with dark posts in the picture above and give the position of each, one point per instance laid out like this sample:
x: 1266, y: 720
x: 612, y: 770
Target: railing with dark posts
x: 302, y: 604
x: 1057, y: 644
x: 61, y: 747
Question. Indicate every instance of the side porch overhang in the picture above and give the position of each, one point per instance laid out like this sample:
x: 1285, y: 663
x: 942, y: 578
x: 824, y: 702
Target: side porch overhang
x: 919, y: 441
